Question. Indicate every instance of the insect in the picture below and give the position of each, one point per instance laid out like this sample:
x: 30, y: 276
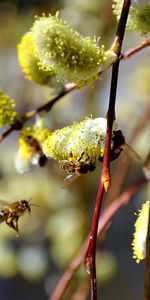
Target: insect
x: 35, y: 147
x: 11, y: 212
x: 29, y: 154
x: 78, y: 147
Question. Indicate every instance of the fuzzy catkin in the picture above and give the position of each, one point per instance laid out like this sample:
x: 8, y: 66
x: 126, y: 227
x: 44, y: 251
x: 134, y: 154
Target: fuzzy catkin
x: 7, y: 112
x: 138, y: 18
x: 30, y: 63
x: 140, y: 234
x: 73, y: 57
x: 84, y: 139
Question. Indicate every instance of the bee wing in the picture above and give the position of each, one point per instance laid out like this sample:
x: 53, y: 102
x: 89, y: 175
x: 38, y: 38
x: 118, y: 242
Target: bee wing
x: 4, y: 204
x: 69, y: 179
x: 132, y: 153
x: 22, y: 165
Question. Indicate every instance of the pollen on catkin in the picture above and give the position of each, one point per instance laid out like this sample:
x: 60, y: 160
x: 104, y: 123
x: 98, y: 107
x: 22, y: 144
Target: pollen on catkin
x: 74, y: 58
x: 138, y: 18
x: 7, y: 113
x: 30, y: 63
x: 140, y: 234
x: 80, y: 141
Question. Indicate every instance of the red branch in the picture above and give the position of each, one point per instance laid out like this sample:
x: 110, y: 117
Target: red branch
x: 105, y: 180
x: 105, y: 219
x: 89, y: 261
x: 68, y: 275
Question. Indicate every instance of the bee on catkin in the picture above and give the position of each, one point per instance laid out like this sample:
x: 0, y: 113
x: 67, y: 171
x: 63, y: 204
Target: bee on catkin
x: 78, y: 147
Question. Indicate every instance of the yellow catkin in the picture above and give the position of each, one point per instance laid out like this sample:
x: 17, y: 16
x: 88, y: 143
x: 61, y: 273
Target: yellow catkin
x: 139, y: 236
x: 80, y: 143
x: 73, y: 57
x: 7, y: 112
x: 30, y: 63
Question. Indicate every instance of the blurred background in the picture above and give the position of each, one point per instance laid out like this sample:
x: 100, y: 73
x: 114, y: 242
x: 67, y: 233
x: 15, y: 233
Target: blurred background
x: 32, y: 264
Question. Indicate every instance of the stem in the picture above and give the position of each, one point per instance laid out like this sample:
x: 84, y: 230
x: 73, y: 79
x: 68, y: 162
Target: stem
x: 136, y: 49
x: 82, y: 292
x: 68, y: 275
x: 89, y: 261
x: 105, y: 179
x: 48, y: 106
x: 120, y: 201
x: 105, y: 219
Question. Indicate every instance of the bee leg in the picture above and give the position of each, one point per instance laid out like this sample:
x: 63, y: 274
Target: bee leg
x: 11, y: 224
x: 67, y: 166
x: 16, y: 227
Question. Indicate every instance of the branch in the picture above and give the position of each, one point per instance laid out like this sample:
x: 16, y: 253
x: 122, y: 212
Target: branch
x: 105, y: 179
x: 82, y: 292
x: 136, y: 49
x: 70, y: 272
x: 105, y: 219
x: 67, y: 89
x: 46, y: 107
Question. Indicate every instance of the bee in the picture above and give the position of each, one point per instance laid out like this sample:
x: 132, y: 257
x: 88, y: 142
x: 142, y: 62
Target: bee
x: 24, y: 162
x: 78, y: 147
x: 35, y: 147
x: 11, y: 212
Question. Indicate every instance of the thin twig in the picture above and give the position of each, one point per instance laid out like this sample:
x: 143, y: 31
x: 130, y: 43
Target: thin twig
x: 105, y: 179
x: 105, y: 219
x: 46, y: 107
x: 67, y: 89
x: 120, y: 201
x: 136, y: 49
x: 82, y: 292
x: 68, y: 275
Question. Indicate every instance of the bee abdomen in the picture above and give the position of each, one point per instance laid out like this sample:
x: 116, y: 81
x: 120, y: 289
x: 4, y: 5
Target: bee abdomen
x: 3, y: 215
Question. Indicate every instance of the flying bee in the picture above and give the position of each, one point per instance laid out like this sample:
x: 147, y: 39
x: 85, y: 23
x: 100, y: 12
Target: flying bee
x: 78, y: 147
x: 11, y: 212
x: 35, y: 148
x: 29, y: 154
